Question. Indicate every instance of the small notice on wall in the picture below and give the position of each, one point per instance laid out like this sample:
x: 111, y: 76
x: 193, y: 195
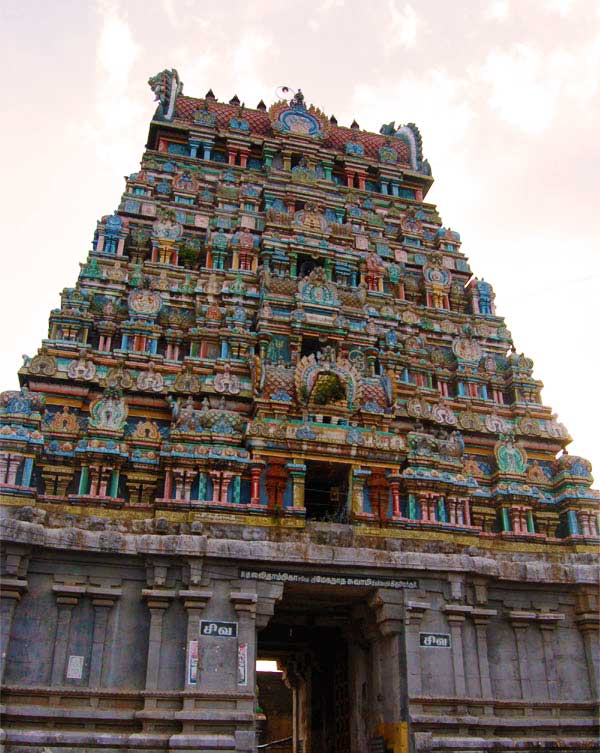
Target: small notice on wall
x: 434, y: 640
x: 75, y: 667
x: 243, y: 664
x: 193, y: 663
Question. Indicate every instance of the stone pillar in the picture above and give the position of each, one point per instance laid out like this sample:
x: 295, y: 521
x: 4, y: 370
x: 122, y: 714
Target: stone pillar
x: 413, y: 615
x: 255, y: 471
x: 452, y: 505
x: 427, y: 504
x: 194, y: 601
x: 215, y: 477
x: 168, y: 493
x: 455, y: 614
x: 67, y: 598
x: 14, y: 461
x: 297, y: 471
x: 388, y: 606
x: 371, y: 632
x: 226, y: 477
x: 395, y: 489
x: 102, y: 604
x: 547, y: 623
x: 11, y: 589
x: 158, y: 601
x: 481, y: 618
x: 520, y: 621
x: 466, y: 510
x: 359, y: 477
x: 588, y: 622
x: 244, y: 603
x: 295, y: 677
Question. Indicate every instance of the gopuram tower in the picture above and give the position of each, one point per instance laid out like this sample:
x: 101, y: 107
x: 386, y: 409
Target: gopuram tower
x: 279, y: 418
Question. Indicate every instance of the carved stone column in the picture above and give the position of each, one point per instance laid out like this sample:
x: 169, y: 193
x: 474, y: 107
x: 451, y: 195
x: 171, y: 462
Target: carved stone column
x: 194, y: 601
x: 427, y: 501
x: 456, y: 614
x: 244, y: 603
x: 547, y: 623
x: 297, y: 675
x: 520, y: 620
x: 295, y: 678
x: 297, y: 471
x: 388, y: 606
x: 481, y: 618
x: 256, y: 470
x: 588, y: 622
x: 394, y: 481
x: 413, y: 615
x: 11, y: 590
x: 158, y: 601
x: 103, y: 600
x: 67, y: 598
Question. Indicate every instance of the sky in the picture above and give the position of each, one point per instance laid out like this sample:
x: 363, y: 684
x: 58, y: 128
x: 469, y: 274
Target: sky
x: 506, y: 94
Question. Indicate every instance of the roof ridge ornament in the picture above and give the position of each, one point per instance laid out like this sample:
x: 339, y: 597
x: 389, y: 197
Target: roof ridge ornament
x: 166, y: 86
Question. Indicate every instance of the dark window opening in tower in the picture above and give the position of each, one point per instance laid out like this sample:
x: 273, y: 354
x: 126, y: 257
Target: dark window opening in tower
x: 313, y: 345
x: 326, y: 491
x: 306, y: 264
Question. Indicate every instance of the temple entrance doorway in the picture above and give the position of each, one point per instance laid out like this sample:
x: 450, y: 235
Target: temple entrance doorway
x: 326, y: 491
x: 321, y: 703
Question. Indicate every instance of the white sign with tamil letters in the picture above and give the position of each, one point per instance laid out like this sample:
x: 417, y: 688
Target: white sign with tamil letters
x: 434, y: 640
x: 216, y: 629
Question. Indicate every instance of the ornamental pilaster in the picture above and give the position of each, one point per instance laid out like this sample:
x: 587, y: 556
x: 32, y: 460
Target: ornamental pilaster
x: 244, y: 603
x: 158, y: 601
x: 67, y: 596
x: 103, y: 600
x: 547, y: 622
x: 588, y: 621
x: 414, y: 612
x: 456, y: 615
x: 481, y: 619
x: 520, y: 620
x: 194, y: 602
x: 12, y: 586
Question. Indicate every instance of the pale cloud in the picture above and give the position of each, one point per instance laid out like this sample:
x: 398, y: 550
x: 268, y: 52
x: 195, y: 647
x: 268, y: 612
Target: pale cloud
x: 117, y: 50
x: 521, y: 92
x: 562, y: 7
x: 116, y: 54
x: 403, y: 27
x: 182, y: 14
x: 585, y: 81
x: 498, y: 10
x: 322, y: 11
x: 251, y: 52
x: 526, y: 85
x: 170, y: 12
x: 433, y: 99
x: 197, y: 69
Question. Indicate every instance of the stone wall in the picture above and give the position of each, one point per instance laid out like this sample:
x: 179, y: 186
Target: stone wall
x: 521, y: 665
